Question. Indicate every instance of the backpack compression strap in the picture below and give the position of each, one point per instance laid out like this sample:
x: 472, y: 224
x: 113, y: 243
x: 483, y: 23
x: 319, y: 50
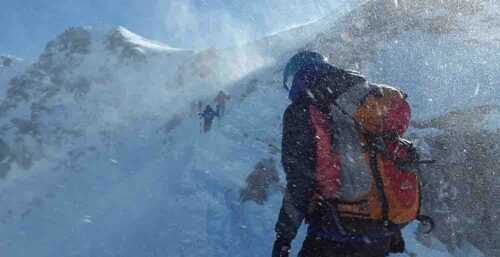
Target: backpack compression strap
x: 374, y: 148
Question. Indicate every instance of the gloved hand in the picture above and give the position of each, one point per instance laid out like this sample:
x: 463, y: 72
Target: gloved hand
x: 397, y: 244
x: 281, y: 247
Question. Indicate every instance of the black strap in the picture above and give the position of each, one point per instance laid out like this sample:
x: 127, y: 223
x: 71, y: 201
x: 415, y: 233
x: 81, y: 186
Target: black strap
x: 379, y: 182
x: 426, y: 221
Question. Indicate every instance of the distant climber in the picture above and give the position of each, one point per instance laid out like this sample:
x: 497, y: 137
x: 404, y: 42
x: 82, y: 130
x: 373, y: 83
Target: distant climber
x: 208, y: 116
x: 261, y: 182
x: 220, y: 103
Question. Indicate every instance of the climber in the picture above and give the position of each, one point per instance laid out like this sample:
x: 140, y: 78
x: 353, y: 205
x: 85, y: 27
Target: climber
x: 220, y: 103
x: 341, y: 141
x: 208, y: 116
x: 261, y: 182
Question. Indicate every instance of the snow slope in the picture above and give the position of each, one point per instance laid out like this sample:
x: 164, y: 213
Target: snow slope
x: 152, y: 194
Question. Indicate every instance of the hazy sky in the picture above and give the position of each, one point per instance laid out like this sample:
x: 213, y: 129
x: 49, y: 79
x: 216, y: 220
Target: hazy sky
x: 27, y: 25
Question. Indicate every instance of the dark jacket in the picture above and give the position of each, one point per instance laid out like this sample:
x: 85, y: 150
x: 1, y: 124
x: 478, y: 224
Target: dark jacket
x: 299, y: 164
x: 208, y: 114
x: 298, y: 144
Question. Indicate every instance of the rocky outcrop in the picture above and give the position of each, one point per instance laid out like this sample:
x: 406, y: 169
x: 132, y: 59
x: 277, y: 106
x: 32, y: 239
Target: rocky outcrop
x: 6, y: 61
x: 71, y: 45
x: 461, y: 189
x: 357, y: 37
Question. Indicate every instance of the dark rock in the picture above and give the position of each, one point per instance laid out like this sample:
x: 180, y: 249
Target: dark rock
x: 461, y: 189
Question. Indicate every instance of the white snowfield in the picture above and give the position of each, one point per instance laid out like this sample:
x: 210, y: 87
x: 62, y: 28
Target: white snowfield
x: 143, y: 42
x: 107, y: 158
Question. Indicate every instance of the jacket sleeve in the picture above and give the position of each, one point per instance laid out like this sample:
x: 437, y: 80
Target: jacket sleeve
x: 298, y: 163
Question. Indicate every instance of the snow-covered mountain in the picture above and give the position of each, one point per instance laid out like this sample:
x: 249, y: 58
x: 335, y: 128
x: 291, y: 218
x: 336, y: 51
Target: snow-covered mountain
x: 102, y: 155
x: 83, y: 85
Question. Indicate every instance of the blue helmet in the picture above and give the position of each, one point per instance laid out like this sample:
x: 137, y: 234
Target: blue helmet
x: 298, y: 62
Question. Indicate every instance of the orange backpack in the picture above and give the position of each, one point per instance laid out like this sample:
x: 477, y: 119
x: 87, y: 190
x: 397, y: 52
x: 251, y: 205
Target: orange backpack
x: 394, y: 194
